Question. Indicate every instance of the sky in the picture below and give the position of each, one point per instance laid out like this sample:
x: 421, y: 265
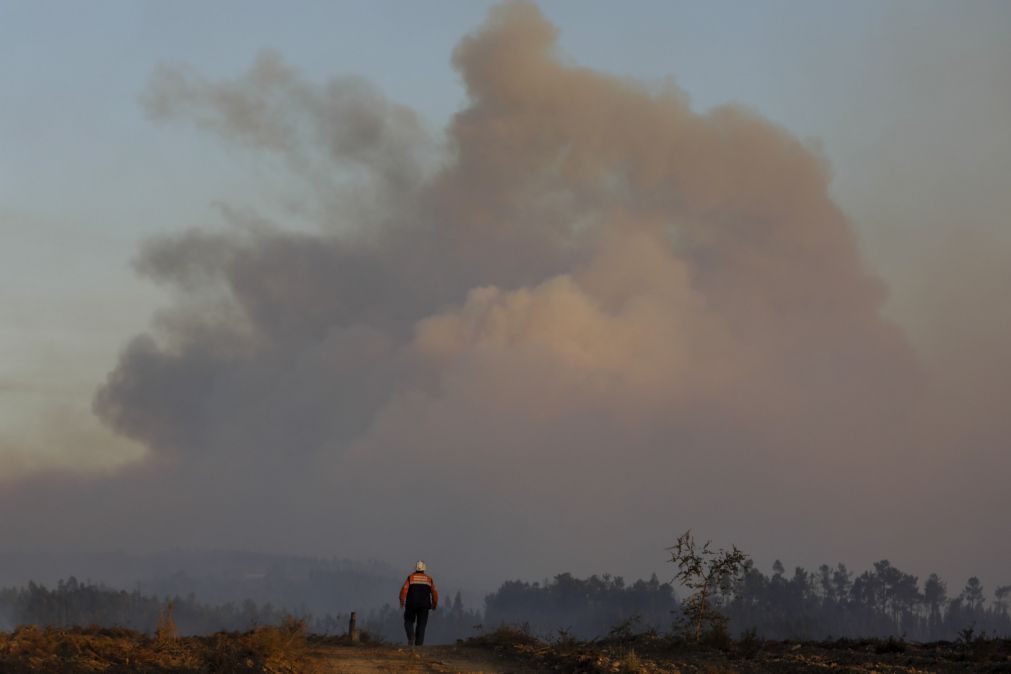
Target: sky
x: 733, y: 266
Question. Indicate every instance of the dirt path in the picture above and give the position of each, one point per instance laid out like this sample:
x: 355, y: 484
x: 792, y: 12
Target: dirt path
x: 423, y: 660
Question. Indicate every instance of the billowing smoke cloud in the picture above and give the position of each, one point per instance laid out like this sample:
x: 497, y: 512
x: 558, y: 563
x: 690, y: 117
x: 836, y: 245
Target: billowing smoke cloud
x: 597, y: 318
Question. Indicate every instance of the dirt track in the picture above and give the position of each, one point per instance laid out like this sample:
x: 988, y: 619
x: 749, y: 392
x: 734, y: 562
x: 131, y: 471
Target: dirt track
x: 442, y: 659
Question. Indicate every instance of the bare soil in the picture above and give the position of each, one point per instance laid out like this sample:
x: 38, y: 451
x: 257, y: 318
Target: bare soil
x: 426, y: 659
x: 851, y: 657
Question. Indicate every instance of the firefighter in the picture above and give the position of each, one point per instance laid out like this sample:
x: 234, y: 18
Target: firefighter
x: 417, y: 597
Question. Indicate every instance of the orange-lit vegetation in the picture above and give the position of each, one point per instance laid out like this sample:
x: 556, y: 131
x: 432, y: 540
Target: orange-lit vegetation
x: 278, y: 649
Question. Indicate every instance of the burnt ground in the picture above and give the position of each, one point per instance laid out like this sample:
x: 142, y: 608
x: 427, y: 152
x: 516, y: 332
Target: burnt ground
x: 654, y: 654
x: 31, y: 650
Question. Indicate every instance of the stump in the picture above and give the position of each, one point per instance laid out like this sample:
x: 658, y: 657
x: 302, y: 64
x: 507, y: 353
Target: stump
x: 353, y: 630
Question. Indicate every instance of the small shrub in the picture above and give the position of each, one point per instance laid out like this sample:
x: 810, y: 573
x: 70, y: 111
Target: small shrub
x: 166, y: 630
x: 715, y: 669
x: 565, y: 640
x: 891, y: 645
x: 749, y: 645
x: 717, y: 636
x: 277, y: 649
x: 625, y: 630
x: 630, y: 662
x: 230, y: 654
x: 506, y: 636
x: 705, y: 573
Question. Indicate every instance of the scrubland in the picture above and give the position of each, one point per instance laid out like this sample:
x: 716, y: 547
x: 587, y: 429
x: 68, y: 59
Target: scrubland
x: 288, y: 649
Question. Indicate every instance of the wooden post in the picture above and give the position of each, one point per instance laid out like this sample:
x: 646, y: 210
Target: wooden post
x: 353, y: 631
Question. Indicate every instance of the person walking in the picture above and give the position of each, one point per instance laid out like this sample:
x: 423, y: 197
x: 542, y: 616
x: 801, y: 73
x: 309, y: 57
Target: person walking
x: 417, y: 597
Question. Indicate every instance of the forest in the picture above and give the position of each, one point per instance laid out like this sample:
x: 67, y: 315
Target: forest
x: 829, y: 603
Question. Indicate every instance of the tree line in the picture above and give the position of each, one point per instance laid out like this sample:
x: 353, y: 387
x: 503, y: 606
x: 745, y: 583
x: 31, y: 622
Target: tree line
x: 73, y: 603
x: 831, y: 602
x: 883, y: 601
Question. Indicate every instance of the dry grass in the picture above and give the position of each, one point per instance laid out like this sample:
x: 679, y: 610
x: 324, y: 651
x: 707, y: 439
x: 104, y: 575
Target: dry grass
x: 630, y: 662
x: 277, y: 650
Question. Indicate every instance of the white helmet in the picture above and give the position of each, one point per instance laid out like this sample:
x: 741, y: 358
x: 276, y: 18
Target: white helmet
x: 420, y: 566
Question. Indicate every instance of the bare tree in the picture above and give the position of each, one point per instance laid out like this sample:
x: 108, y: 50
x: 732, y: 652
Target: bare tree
x: 704, y: 572
x: 1001, y: 595
x: 973, y: 594
x: 935, y: 596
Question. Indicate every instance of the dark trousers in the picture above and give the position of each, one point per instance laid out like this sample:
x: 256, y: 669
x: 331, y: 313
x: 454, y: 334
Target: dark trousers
x: 415, y: 634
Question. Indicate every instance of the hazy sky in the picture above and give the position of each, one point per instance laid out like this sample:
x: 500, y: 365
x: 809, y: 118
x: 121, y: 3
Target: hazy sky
x: 184, y: 169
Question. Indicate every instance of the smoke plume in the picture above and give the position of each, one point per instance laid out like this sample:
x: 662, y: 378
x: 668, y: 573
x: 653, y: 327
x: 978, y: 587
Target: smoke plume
x: 591, y: 318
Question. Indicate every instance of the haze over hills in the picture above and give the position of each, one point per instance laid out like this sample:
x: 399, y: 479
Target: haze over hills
x: 214, y: 576
x: 585, y: 317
